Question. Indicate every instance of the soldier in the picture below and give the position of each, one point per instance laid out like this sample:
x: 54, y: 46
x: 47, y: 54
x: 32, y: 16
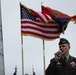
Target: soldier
x: 62, y: 63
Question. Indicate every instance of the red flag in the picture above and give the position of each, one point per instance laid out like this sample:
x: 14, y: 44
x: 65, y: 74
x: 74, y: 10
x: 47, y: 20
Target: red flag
x: 45, y: 11
x: 54, y: 13
x: 59, y: 17
x: 74, y: 18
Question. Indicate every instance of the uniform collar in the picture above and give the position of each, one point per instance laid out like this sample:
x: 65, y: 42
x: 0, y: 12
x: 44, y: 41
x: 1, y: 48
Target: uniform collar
x: 67, y: 57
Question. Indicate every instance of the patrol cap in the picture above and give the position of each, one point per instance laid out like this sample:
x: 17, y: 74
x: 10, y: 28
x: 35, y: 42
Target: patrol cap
x: 63, y: 41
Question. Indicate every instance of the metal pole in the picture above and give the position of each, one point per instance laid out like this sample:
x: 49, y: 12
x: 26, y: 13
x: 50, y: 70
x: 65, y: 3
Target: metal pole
x: 22, y: 56
x: 44, y: 56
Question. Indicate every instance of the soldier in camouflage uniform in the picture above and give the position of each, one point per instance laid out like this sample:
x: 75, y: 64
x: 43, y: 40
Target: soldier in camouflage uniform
x: 63, y: 63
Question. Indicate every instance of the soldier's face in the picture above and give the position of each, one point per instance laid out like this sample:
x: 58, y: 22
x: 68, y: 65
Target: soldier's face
x: 64, y: 48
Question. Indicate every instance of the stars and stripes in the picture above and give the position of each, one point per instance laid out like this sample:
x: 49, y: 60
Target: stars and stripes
x: 32, y: 24
x: 25, y: 14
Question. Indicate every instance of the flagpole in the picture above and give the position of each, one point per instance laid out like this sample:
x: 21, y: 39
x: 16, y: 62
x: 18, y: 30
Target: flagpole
x: 22, y: 56
x: 32, y: 69
x: 44, y: 55
x: 43, y: 49
x: 22, y: 52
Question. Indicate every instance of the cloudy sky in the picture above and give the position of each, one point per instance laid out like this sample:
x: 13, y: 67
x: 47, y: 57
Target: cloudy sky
x: 32, y: 46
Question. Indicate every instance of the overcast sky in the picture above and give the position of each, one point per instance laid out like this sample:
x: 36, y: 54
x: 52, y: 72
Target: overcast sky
x: 32, y: 46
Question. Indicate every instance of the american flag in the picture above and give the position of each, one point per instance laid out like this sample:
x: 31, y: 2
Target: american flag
x: 31, y: 24
x: 26, y: 14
